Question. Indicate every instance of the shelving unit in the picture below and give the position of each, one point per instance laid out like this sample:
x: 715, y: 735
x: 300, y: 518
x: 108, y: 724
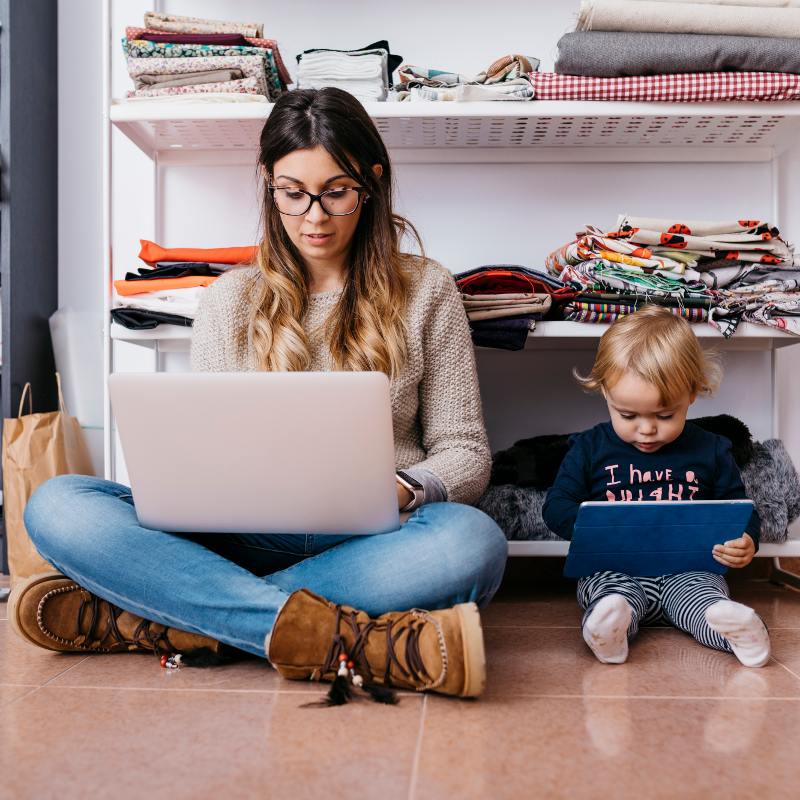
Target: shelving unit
x: 191, y: 133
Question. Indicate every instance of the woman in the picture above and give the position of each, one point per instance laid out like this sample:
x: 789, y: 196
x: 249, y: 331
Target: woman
x: 330, y: 291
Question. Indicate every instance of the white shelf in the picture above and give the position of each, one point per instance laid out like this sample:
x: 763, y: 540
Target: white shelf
x: 791, y: 547
x: 580, y: 335
x: 558, y: 335
x: 548, y: 130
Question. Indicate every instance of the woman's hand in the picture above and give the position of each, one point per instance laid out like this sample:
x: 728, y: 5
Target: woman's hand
x: 404, y: 496
x: 736, y: 553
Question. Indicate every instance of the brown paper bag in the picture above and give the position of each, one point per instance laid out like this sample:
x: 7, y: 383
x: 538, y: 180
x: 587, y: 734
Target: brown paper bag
x: 36, y: 447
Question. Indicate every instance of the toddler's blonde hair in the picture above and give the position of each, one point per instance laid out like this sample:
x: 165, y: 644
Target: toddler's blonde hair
x: 661, y: 349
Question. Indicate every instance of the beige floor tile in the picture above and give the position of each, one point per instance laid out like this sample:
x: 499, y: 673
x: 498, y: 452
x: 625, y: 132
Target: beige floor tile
x: 143, y: 671
x: 786, y: 648
x: 663, y: 663
x: 134, y: 744
x: 778, y: 606
x: 546, y: 610
x: 11, y: 693
x: 22, y: 663
x: 614, y: 748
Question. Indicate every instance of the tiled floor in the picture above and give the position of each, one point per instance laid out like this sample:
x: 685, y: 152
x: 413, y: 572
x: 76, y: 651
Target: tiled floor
x: 676, y: 721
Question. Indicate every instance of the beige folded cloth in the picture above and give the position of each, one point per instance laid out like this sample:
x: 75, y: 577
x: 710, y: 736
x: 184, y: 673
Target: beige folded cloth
x: 207, y: 76
x: 506, y: 311
x: 648, y: 16
x: 174, y: 23
x: 492, y: 301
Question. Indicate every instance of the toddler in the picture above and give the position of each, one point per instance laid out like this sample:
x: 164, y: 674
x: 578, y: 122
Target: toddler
x: 650, y: 368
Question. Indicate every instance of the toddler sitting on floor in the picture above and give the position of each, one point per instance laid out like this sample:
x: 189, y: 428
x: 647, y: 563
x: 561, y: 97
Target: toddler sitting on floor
x: 650, y: 368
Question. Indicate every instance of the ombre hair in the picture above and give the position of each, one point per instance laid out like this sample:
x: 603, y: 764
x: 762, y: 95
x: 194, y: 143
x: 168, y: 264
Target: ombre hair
x: 660, y: 348
x: 366, y: 330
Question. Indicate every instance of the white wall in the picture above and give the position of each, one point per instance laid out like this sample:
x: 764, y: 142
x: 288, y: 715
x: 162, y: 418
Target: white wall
x: 468, y: 215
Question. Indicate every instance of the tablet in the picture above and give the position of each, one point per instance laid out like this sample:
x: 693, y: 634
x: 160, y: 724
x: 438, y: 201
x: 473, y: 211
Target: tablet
x: 648, y: 539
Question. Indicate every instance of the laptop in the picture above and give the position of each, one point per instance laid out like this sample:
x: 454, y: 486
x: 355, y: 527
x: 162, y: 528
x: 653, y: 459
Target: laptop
x: 259, y: 452
x: 648, y: 539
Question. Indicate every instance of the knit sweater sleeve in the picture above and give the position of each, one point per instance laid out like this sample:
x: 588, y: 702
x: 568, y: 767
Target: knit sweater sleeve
x: 216, y: 329
x: 450, y: 412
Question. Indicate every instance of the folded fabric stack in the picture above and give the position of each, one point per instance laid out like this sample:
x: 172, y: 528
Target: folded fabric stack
x: 614, y: 276
x: 718, y: 272
x: 522, y: 474
x: 169, y: 289
x: 507, y: 78
x: 173, y: 55
x: 678, y: 51
x: 504, y: 302
x: 365, y: 73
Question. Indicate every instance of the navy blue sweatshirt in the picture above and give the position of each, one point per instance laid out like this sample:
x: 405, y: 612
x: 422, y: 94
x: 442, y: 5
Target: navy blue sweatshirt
x: 698, y: 465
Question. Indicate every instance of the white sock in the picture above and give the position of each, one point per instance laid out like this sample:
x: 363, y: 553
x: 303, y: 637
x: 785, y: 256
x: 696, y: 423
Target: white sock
x: 744, y: 630
x: 606, y: 629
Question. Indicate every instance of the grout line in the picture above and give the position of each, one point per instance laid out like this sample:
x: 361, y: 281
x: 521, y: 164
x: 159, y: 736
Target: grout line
x: 780, y: 663
x: 64, y: 672
x: 198, y: 690
x: 412, y: 788
x: 634, y: 697
x: 33, y: 690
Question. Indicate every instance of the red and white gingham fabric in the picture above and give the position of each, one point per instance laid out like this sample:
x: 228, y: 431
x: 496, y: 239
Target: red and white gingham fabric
x: 693, y: 87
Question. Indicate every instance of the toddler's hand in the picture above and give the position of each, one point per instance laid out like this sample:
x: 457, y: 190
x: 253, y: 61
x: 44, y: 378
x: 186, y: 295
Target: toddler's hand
x: 735, y: 553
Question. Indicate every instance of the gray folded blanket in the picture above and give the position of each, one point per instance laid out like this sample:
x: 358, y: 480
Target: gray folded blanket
x: 770, y: 481
x: 612, y: 54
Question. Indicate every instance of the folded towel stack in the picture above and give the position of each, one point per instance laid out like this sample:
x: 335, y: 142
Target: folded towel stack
x: 364, y: 73
x: 173, y: 55
x: 678, y: 51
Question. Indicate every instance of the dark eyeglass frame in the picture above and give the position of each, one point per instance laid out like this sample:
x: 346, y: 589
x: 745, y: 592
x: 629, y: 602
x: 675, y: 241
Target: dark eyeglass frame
x: 363, y: 194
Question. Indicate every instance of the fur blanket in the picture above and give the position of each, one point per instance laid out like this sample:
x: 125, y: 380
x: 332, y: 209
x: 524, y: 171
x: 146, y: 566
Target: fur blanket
x: 522, y: 474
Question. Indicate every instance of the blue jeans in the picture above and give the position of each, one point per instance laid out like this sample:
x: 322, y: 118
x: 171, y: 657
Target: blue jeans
x: 231, y: 586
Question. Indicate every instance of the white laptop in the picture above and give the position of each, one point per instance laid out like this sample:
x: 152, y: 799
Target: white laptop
x: 259, y: 452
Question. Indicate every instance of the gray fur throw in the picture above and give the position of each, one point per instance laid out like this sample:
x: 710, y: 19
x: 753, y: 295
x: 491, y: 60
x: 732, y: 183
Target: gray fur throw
x: 770, y: 480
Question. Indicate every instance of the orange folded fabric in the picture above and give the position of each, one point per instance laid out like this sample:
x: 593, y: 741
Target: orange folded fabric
x: 151, y: 253
x: 127, y: 288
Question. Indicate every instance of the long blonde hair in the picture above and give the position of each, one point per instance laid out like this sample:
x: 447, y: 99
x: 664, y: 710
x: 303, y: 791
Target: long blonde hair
x: 366, y: 330
x: 661, y: 349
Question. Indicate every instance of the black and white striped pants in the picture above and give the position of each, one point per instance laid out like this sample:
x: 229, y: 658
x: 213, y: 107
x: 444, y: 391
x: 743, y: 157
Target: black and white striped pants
x: 680, y: 599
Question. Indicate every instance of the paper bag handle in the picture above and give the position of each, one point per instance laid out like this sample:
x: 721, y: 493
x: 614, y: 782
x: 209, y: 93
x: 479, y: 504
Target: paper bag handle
x: 62, y: 407
x: 26, y: 391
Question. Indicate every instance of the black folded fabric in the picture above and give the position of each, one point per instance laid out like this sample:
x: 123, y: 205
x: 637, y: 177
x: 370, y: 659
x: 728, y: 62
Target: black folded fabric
x: 179, y: 270
x: 534, y: 462
x: 139, y: 319
x: 506, y: 333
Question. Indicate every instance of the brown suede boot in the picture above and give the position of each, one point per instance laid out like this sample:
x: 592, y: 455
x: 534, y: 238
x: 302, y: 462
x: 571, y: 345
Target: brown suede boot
x: 440, y: 651
x: 52, y: 611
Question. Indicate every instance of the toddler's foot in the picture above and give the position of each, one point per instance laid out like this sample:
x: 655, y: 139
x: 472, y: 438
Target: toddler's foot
x: 606, y: 629
x: 744, y: 630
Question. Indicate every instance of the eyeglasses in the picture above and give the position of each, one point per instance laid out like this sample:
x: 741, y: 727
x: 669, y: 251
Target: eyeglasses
x: 336, y: 202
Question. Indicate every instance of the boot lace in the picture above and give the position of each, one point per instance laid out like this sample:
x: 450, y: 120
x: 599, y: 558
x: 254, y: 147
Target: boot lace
x: 414, y: 670
x: 143, y: 636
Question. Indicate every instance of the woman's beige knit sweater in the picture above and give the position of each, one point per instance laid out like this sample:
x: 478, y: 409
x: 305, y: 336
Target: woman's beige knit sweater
x: 436, y: 404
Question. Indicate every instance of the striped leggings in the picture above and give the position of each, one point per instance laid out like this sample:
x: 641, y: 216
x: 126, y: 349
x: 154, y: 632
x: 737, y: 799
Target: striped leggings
x: 680, y: 599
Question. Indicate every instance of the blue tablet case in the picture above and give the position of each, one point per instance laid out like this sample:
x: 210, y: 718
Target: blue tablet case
x: 653, y: 538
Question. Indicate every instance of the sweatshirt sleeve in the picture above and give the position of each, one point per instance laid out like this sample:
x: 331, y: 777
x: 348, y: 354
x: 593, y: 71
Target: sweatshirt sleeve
x: 450, y: 412
x: 571, y: 488
x: 728, y: 485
